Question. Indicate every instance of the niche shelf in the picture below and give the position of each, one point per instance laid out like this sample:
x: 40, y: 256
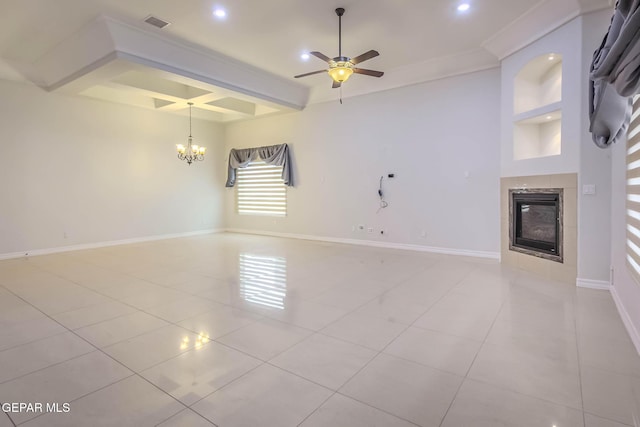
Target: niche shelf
x: 537, y: 104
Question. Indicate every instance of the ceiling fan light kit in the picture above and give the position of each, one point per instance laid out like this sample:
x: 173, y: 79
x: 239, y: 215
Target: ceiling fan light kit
x: 342, y: 67
x: 341, y: 71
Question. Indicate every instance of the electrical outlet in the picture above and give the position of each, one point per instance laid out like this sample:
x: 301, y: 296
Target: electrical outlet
x: 64, y: 235
x: 353, y: 228
x: 370, y: 230
x: 423, y: 234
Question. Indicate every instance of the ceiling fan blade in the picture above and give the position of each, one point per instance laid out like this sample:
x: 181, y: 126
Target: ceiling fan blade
x: 371, y: 73
x: 335, y: 84
x: 322, y: 56
x: 309, y: 74
x: 365, y: 56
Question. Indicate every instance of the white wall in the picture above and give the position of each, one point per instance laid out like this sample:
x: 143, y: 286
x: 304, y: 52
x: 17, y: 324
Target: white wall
x: 625, y: 289
x: 594, y: 211
x: 575, y: 41
x: 429, y: 135
x: 565, y: 41
x: 99, y: 172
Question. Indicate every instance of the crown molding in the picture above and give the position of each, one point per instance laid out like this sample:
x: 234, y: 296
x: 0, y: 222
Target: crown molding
x: 539, y: 21
x: 433, y: 69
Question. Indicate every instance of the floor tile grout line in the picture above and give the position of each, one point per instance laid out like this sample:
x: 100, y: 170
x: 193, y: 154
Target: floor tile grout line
x: 194, y: 349
x: 306, y: 379
x: 318, y: 332
x: 316, y: 409
x: 83, y: 307
x: 385, y: 347
x: 183, y: 410
x: 410, y: 325
x: 51, y: 365
x: 303, y: 377
x: 419, y: 317
x: 529, y: 396
x: 84, y: 395
x: 133, y: 371
x: 466, y: 375
x: 10, y: 419
x: 375, y: 407
x: 575, y: 325
x: 67, y: 331
x: 378, y: 352
x: 41, y: 268
x: 455, y: 396
x: 347, y: 341
x: 97, y: 291
x: 607, y: 418
x: 170, y: 323
x: 191, y: 406
x: 334, y: 392
x: 107, y: 355
x: 139, y: 310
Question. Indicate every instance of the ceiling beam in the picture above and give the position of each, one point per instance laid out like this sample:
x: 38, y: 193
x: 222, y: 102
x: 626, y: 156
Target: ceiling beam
x: 105, y: 40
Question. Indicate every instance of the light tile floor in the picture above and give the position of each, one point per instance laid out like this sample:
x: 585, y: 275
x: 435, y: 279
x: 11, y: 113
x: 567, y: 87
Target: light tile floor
x: 238, y: 330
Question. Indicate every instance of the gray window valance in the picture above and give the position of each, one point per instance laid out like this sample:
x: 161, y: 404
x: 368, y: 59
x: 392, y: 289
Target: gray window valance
x: 615, y: 75
x: 277, y: 155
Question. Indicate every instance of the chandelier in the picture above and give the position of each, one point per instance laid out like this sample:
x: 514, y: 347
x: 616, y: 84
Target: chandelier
x: 191, y: 153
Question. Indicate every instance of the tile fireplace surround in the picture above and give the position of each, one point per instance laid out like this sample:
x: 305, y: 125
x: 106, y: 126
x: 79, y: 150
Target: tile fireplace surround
x: 565, y: 271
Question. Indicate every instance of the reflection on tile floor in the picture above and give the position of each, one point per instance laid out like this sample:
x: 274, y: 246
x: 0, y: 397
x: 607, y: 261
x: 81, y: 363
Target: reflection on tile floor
x: 239, y: 330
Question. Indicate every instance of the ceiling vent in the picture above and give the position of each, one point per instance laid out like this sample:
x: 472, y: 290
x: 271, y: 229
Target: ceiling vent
x: 156, y: 22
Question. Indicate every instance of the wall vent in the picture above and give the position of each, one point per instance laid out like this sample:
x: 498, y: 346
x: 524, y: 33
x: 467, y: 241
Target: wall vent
x: 156, y: 22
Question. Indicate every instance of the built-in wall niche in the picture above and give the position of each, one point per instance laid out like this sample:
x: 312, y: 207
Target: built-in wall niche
x: 537, y: 120
x: 539, y: 136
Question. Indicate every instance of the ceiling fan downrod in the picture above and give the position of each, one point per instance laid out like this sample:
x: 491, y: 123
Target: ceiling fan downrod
x: 340, y: 12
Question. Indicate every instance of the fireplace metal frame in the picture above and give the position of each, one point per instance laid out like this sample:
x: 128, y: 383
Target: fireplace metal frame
x: 512, y: 232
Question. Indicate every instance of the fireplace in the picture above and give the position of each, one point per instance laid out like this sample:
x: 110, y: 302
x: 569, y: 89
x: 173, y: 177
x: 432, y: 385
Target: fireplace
x: 535, y: 222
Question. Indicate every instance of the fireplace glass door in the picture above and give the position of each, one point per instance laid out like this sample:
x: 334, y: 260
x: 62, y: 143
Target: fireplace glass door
x: 536, y: 224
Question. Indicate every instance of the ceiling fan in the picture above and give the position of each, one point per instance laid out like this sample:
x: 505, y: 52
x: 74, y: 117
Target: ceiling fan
x: 342, y: 67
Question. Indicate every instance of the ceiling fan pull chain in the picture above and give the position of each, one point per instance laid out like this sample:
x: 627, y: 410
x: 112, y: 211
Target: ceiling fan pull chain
x: 340, y: 94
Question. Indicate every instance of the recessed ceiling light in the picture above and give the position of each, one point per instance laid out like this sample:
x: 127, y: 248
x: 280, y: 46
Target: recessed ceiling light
x: 551, y: 57
x: 220, y: 13
x: 304, y: 56
x: 463, y: 7
x: 549, y: 117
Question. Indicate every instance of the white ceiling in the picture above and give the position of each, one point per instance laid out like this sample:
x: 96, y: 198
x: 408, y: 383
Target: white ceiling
x: 417, y: 40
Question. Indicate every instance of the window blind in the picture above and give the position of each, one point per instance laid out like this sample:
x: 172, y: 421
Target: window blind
x: 261, y: 190
x: 633, y: 191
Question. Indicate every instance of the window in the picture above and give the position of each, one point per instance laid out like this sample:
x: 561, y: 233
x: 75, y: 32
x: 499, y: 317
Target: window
x: 633, y: 191
x: 261, y: 190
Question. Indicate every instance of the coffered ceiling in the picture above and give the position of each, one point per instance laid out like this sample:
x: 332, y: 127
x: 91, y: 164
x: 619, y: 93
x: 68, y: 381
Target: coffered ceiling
x: 243, y: 66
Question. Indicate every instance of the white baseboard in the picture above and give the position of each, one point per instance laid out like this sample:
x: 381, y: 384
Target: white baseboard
x: 604, y: 285
x: 387, y: 245
x: 626, y: 319
x: 47, y: 251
